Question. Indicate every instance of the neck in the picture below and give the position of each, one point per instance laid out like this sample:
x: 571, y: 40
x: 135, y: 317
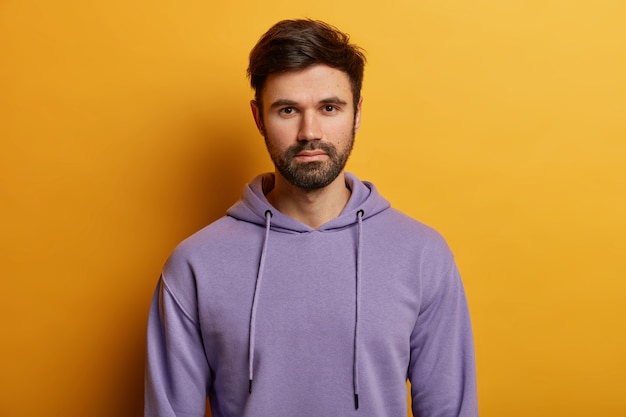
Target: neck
x: 311, y: 207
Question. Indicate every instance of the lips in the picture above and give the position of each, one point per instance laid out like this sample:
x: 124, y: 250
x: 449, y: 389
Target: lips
x: 311, y: 153
x: 314, y: 151
x: 311, y: 156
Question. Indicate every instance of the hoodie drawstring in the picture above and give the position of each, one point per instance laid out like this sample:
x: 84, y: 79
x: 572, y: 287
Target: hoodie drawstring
x: 355, y: 364
x: 255, y: 299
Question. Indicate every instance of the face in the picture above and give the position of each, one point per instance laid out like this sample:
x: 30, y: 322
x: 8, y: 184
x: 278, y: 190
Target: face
x: 308, y: 120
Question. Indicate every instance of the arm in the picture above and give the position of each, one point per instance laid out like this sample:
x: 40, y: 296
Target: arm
x: 177, y: 373
x: 442, y: 370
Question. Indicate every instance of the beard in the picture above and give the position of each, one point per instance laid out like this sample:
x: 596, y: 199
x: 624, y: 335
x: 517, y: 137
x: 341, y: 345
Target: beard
x: 311, y: 175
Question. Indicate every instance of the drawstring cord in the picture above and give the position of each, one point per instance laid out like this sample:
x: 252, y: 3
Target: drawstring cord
x: 255, y: 299
x: 355, y: 364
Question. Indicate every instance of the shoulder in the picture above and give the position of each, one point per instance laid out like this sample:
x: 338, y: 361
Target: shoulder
x: 400, y: 227
x: 410, y: 243
x: 203, y: 251
x: 213, y: 237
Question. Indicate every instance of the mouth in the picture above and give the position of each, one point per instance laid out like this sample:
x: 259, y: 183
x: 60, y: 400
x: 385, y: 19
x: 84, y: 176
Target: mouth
x: 311, y: 153
x: 310, y: 156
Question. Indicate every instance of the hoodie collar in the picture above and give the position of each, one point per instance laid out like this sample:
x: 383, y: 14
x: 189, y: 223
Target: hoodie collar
x: 253, y: 205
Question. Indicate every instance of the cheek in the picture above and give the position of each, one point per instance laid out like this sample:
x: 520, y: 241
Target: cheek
x: 281, y: 134
x: 341, y: 132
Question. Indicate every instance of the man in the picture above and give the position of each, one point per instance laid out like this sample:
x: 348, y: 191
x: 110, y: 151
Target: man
x: 312, y: 296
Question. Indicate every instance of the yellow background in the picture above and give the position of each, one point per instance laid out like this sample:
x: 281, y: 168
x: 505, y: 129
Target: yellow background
x: 125, y: 127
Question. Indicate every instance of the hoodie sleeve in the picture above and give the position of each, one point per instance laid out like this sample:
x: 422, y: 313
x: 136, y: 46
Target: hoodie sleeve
x: 177, y: 373
x: 442, y: 369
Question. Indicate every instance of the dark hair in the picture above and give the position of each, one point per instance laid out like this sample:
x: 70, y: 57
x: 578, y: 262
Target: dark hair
x: 292, y: 45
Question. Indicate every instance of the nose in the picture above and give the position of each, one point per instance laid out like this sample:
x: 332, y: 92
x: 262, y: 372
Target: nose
x: 309, y: 127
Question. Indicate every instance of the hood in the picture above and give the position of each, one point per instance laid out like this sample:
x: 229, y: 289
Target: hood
x: 253, y: 205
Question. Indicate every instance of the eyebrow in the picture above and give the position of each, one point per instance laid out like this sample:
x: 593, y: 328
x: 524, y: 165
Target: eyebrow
x: 286, y: 102
x: 283, y: 102
x: 333, y: 100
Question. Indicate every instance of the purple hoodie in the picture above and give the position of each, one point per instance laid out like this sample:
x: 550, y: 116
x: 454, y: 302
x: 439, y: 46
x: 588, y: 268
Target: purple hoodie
x: 271, y: 318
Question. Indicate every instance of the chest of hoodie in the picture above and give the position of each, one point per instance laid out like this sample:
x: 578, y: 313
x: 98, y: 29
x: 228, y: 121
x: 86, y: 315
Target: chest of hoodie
x: 307, y: 299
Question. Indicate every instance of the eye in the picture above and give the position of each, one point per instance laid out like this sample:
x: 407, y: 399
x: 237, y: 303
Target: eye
x: 287, y: 110
x: 329, y: 108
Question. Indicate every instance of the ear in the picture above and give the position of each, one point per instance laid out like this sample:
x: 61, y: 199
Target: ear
x: 256, y: 113
x: 357, y: 116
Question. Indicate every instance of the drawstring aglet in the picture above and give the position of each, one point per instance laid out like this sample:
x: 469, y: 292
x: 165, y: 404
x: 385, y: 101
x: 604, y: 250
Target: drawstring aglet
x: 250, y: 386
x: 356, y: 401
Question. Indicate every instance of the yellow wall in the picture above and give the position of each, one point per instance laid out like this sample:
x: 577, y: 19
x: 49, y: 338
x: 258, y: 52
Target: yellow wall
x: 124, y: 127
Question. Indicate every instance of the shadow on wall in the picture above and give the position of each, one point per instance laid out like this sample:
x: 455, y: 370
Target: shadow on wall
x: 210, y: 164
x: 222, y: 160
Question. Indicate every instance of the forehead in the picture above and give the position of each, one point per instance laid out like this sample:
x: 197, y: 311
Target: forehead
x: 312, y: 84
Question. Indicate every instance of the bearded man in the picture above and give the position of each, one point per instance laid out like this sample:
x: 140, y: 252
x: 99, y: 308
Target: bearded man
x: 312, y: 296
